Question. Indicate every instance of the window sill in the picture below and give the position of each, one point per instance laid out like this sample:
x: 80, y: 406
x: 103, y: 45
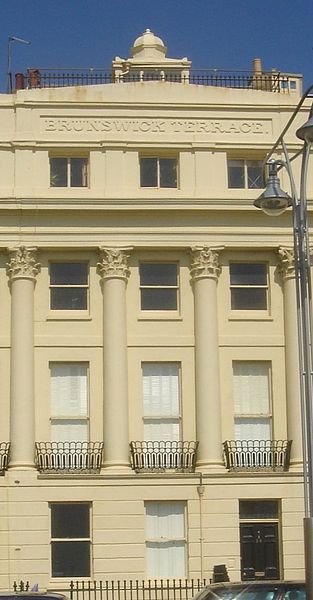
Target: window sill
x: 68, y: 315
x: 250, y: 315
x: 160, y: 315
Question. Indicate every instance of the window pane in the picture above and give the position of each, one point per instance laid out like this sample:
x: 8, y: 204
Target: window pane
x: 79, y: 172
x: 251, y: 388
x: 166, y: 559
x: 248, y: 299
x: 68, y: 298
x: 70, y: 559
x: 253, y: 429
x: 161, y: 389
x: 69, y: 273
x: 248, y: 273
x: 158, y: 299
x: 68, y: 389
x: 258, y: 509
x: 167, y: 430
x: 70, y: 520
x: 255, y: 174
x: 158, y: 274
x: 58, y: 172
x: 168, y: 172
x: 236, y: 176
x: 148, y: 172
x: 66, y: 430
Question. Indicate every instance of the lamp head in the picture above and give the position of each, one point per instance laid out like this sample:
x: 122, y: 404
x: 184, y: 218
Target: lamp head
x: 273, y: 201
x: 305, y: 132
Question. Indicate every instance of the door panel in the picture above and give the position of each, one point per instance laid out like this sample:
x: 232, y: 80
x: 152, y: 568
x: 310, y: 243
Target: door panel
x: 259, y: 551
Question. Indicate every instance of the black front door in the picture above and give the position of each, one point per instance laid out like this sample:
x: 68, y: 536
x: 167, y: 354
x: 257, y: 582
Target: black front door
x: 259, y: 551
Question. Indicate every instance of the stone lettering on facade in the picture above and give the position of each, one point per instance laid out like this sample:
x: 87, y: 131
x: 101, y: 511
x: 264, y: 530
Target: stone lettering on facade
x: 216, y: 127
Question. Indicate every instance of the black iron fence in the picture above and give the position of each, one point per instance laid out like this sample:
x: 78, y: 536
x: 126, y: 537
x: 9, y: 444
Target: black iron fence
x: 69, y: 456
x: 4, y: 456
x: 256, y: 455
x: 162, y: 589
x: 43, y: 78
x: 163, y: 455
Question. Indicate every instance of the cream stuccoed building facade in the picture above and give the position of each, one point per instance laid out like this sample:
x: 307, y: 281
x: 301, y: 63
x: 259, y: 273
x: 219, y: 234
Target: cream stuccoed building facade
x: 150, y: 412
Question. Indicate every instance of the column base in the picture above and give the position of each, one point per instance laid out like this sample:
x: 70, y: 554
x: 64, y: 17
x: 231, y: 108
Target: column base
x: 118, y: 468
x: 21, y: 466
x: 210, y: 466
x: 296, y: 466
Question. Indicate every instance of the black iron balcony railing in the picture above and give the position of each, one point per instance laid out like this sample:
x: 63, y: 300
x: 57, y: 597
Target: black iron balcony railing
x: 163, y: 455
x: 68, y: 456
x: 255, y: 455
x: 43, y: 78
x: 4, y: 456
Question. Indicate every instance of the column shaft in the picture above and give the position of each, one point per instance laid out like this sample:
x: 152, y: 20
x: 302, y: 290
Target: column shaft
x: 114, y: 273
x: 291, y: 356
x: 22, y: 270
x: 205, y: 271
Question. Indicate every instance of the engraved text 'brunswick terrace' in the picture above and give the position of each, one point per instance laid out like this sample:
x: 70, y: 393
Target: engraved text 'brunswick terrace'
x: 211, y: 126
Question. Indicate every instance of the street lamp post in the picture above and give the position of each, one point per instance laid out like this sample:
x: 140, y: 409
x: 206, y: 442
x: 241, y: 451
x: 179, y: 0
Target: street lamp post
x: 274, y: 201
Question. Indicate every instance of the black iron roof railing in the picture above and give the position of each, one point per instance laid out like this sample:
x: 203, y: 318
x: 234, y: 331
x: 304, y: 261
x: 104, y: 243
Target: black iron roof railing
x: 255, y: 455
x: 68, y: 456
x: 163, y: 455
x: 42, y: 78
x: 4, y: 456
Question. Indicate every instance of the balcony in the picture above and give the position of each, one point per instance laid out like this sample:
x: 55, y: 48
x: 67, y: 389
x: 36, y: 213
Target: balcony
x: 257, y: 455
x: 271, y: 81
x: 160, y: 456
x: 68, y: 457
x: 4, y: 456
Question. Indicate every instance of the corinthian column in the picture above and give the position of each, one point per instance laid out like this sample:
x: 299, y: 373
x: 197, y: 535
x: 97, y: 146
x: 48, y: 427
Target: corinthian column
x: 287, y: 270
x: 22, y: 270
x: 113, y: 270
x: 204, y: 273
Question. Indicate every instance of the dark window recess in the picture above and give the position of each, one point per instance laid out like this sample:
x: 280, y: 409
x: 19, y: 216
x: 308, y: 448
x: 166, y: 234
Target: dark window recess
x: 70, y: 554
x: 258, y: 509
x: 68, y: 172
x: 68, y: 286
x: 158, y: 172
x: 248, y: 282
x: 158, y: 286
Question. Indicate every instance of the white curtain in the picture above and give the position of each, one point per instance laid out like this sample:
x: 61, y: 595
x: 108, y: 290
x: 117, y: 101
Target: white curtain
x: 69, y: 402
x: 252, y: 400
x: 165, y: 535
x: 161, y: 401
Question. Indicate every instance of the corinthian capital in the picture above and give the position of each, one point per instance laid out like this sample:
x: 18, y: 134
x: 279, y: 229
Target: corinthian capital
x: 286, y: 265
x: 22, y: 263
x: 204, y: 262
x: 113, y: 262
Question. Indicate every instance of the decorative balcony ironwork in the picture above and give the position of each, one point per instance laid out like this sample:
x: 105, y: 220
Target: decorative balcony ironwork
x: 4, y: 456
x: 55, y: 457
x: 42, y: 78
x: 257, y: 455
x: 163, y: 455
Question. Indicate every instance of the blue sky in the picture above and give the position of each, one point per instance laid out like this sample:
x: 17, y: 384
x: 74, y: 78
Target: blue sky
x: 211, y: 33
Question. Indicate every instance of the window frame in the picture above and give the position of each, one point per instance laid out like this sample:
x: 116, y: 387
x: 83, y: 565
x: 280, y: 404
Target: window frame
x: 245, y: 174
x: 72, y: 418
x: 69, y: 311
x: 69, y: 171
x: 257, y: 416
x: 54, y: 539
x: 251, y: 287
x: 162, y: 540
x: 142, y: 287
x: 161, y: 417
x: 158, y: 158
